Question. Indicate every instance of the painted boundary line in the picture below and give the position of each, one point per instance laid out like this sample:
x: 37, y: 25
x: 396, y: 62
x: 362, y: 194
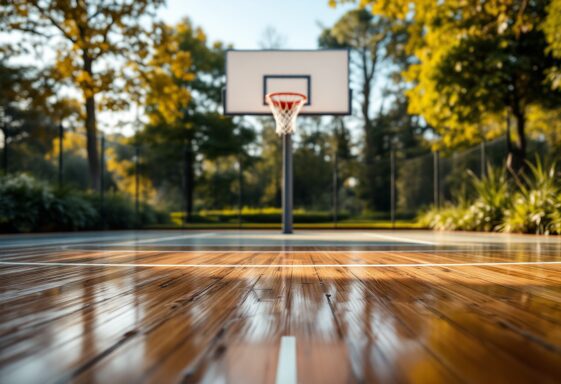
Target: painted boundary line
x: 158, y: 239
x: 286, y: 366
x: 268, y: 251
x: 400, y: 239
x: 287, y: 244
x: 396, y: 265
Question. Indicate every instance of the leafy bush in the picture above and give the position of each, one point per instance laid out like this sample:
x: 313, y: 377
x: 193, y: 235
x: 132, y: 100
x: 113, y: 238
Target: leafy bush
x: 487, y: 211
x: 69, y: 212
x: 529, y: 205
x: 29, y: 205
x: 535, y: 207
x: 556, y: 216
x: 24, y: 203
x: 449, y: 218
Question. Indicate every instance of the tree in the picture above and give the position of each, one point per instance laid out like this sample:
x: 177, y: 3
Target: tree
x: 477, y: 63
x: 552, y: 30
x: 31, y: 117
x: 184, y: 131
x: 90, y: 38
x: 366, y: 36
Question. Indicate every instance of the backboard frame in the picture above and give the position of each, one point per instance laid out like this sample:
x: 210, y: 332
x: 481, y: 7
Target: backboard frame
x: 303, y: 76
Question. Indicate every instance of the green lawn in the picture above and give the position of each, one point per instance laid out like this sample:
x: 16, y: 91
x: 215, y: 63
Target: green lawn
x: 350, y: 224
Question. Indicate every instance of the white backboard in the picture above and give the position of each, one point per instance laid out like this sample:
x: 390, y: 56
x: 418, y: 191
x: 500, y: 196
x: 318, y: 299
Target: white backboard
x: 321, y: 75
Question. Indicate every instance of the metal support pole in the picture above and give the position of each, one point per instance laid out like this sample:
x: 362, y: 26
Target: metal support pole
x: 240, y: 194
x: 5, y: 150
x: 60, y: 155
x: 136, y: 185
x: 102, y: 181
x: 335, y: 189
x: 287, y: 184
x: 392, y: 186
x: 436, y: 187
x: 186, y: 180
x: 4, y: 126
x: 483, y: 160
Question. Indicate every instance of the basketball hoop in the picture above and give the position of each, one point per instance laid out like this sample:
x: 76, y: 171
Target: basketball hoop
x: 285, y: 107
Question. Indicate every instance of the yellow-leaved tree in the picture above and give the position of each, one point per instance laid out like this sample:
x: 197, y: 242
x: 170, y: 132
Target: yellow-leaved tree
x: 91, y: 40
x: 480, y: 67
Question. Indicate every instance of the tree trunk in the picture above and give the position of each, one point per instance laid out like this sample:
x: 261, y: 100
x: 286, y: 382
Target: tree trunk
x: 91, y: 129
x: 517, y: 149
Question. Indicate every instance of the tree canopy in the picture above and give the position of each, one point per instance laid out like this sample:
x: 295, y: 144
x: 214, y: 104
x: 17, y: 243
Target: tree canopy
x: 89, y: 39
x: 476, y: 63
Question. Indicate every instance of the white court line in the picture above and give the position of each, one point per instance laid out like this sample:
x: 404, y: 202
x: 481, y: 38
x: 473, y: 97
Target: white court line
x: 397, y: 265
x: 158, y: 239
x: 286, y: 367
x: 281, y: 251
x: 400, y: 239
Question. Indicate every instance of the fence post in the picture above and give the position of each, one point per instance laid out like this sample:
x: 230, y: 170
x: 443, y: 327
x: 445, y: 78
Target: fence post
x: 60, y: 155
x: 392, y: 186
x: 436, y: 169
x: 4, y: 126
x: 335, y: 189
x: 101, y: 181
x: 186, y: 182
x: 240, y: 194
x: 483, y: 160
x: 136, y: 184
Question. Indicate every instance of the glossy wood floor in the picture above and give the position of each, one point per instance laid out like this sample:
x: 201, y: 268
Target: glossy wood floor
x: 85, y: 315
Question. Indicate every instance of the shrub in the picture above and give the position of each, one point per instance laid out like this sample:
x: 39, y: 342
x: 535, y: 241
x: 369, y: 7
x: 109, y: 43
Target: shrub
x: 556, y: 216
x: 449, y: 218
x: 487, y: 211
x: 24, y: 202
x: 69, y: 212
x: 535, y: 207
x: 29, y: 205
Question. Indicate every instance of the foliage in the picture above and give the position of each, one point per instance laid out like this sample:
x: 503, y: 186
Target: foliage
x: 28, y: 205
x: 90, y: 41
x: 552, y: 30
x: 535, y: 207
x: 181, y: 139
x: 531, y: 205
x: 477, y: 61
x: 449, y: 218
x: 377, y: 49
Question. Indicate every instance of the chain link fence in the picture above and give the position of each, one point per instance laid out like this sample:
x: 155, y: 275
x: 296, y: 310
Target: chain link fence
x: 234, y: 191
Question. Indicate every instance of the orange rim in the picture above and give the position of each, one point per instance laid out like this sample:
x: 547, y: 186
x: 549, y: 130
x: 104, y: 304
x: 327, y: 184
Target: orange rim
x: 286, y: 104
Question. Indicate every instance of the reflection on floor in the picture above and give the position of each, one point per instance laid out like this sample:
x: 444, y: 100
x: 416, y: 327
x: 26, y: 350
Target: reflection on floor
x: 81, y: 308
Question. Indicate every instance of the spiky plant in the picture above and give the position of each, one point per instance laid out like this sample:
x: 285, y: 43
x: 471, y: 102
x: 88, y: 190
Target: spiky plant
x: 486, y: 211
x: 533, y: 208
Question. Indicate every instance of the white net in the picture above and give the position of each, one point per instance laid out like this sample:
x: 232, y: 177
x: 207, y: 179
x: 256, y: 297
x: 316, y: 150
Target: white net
x: 285, y: 107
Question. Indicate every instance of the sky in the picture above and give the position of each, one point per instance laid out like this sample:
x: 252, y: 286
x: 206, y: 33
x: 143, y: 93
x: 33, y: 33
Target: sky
x: 243, y: 22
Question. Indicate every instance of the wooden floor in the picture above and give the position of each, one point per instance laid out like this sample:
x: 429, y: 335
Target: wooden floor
x: 418, y: 314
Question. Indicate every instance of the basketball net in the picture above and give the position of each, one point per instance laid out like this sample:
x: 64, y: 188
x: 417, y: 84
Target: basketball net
x: 285, y: 107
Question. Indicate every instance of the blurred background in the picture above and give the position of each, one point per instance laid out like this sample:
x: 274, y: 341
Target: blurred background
x: 111, y: 116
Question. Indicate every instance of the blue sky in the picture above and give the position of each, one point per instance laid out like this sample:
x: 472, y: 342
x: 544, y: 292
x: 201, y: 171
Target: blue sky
x: 242, y: 22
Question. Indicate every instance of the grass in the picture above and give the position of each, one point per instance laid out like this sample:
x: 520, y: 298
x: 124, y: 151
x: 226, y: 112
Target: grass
x: 347, y: 224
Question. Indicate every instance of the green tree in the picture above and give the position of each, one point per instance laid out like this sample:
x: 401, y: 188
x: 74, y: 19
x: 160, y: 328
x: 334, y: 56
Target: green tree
x: 478, y: 62
x: 90, y: 39
x: 183, y: 132
x: 366, y: 36
x: 31, y: 117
